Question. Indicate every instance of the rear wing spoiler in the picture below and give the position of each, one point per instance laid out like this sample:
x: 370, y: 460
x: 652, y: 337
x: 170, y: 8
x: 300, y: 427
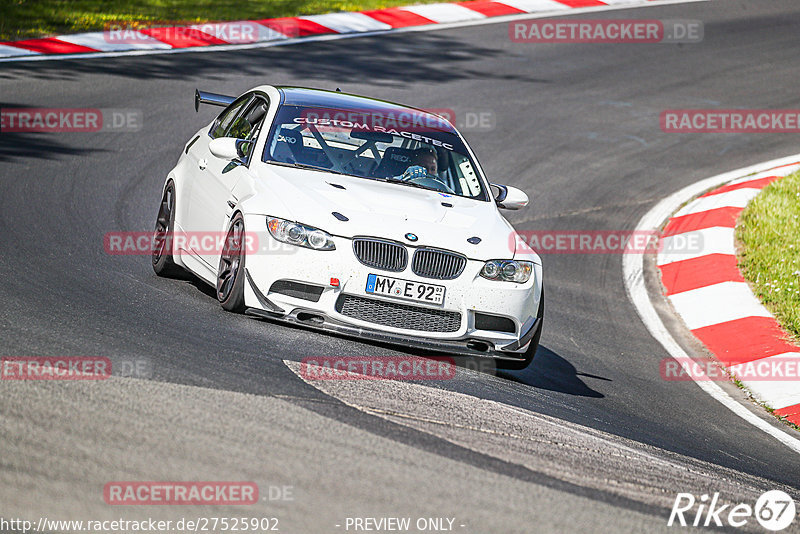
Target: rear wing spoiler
x: 203, y: 97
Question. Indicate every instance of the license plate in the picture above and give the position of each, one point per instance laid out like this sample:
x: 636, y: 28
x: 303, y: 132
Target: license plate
x: 405, y: 289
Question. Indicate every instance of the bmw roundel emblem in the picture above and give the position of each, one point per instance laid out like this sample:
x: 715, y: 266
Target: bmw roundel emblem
x: 411, y: 237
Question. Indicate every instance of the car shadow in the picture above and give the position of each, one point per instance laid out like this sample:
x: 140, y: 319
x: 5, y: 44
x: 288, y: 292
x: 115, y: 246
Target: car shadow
x: 199, y: 284
x: 549, y: 371
x: 552, y: 372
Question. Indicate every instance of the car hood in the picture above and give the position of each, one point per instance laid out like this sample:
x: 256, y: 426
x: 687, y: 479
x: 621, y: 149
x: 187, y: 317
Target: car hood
x: 386, y: 210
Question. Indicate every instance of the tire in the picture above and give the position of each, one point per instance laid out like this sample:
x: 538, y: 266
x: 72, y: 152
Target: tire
x: 230, y: 273
x: 518, y: 365
x: 161, y: 257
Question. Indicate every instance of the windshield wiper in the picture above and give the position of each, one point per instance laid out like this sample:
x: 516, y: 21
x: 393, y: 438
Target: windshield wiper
x: 393, y: 180
x: 303, y: 166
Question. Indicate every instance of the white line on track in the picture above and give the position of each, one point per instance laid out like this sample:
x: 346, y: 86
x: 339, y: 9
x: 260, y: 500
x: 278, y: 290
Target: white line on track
x: 338, y: 36
x: 633, y: 272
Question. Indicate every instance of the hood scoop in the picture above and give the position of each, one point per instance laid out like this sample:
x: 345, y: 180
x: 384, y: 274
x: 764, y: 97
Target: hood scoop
x: 339, y: 216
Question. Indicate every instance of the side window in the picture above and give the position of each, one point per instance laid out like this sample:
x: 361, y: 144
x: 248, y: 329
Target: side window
x: 225, y: 118
x: 248, y: 124
x: 468, y: 179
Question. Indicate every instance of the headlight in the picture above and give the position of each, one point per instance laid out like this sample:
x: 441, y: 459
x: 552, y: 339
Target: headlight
x: 299, y: 234
x: 508, y: 270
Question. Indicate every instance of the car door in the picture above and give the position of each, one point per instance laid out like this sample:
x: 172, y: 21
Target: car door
x: 210, y: 193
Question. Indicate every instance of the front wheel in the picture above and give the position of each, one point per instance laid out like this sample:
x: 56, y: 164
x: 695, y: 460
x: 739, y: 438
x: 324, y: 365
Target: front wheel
x: 527, y: 357
x: 163, y: 263
x: 230, y: 274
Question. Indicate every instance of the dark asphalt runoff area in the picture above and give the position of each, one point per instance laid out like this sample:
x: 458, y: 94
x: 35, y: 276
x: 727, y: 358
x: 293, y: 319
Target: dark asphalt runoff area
x: 590, y: 438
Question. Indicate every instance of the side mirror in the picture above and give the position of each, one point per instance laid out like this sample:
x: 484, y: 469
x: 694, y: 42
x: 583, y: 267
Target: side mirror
x: 228, y: 148
x: 510, y: 198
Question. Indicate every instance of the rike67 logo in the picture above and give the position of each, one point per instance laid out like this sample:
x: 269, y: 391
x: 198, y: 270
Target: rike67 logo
x: 774, y: 510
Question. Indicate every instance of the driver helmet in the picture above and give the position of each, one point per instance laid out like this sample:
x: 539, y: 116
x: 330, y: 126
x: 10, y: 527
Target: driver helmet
x: 428, y: 159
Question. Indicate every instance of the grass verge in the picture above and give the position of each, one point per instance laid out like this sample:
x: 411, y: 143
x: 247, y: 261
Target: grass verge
x: 768, y: 233
x: 24, y: 19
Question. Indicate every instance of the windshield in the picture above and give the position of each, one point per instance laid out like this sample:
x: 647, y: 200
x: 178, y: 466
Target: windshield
x: 410, y: 150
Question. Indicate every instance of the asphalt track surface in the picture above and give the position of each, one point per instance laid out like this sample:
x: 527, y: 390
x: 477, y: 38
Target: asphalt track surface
x: 590, y: 438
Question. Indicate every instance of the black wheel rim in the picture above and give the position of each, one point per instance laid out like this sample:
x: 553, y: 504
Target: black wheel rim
x: 230, y: 260
x: 163, y: 222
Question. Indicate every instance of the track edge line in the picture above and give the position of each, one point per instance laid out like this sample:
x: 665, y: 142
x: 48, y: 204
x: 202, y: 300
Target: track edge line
x: 633, y: 276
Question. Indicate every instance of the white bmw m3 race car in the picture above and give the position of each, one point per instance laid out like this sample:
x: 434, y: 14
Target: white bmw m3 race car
x: 356, y: 216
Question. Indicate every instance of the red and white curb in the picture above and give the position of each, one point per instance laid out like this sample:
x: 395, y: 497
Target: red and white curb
x: 709, y: 293
x: 697, y: 285
x: 293, y: 28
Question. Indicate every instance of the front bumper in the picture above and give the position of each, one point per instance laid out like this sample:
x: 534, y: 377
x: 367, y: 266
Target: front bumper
x: 465, y: 347
x: 465, y: 296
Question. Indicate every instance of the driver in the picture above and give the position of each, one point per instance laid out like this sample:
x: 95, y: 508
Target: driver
x: 424, y: 163
x: 427, y: 158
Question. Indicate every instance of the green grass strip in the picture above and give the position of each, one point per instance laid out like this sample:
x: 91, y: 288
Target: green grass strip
x: 768, y: 233
x: 25, y: 19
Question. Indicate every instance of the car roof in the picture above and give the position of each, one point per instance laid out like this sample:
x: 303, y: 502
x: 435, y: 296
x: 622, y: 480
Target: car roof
x: 307, y: 97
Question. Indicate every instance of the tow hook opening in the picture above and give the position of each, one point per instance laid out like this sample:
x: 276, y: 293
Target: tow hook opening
x: 480, y: 346
x: 310, y: 318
